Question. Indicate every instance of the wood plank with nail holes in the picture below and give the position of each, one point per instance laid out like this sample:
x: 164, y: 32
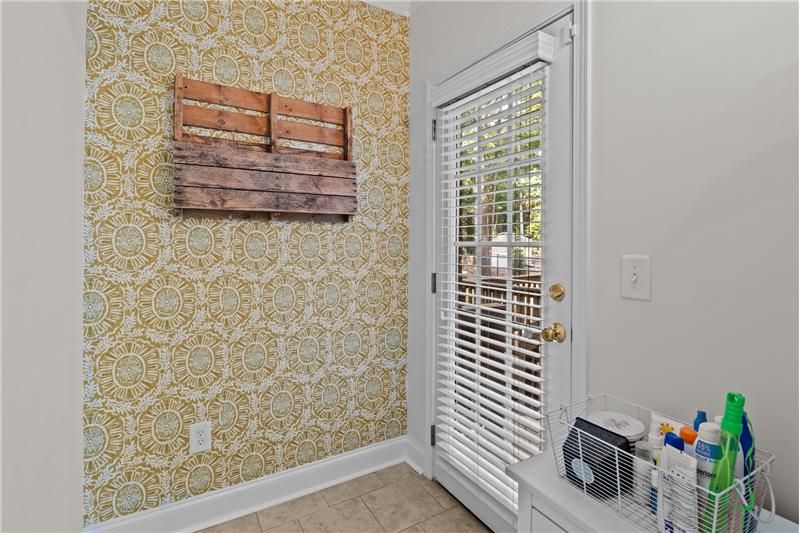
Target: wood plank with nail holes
x: 204, y: 198
x: 298, y: 131
x: 310, y: 217
x: 258, y: 180
x: 280, y: 149
x: 266, y: 216
x: 214, y: 93
x: 177, y: 119
x: 218, y: 141
x: 309, y: 110
x: 223, y: 156
x: 224, y: 120
x: 347, y: 149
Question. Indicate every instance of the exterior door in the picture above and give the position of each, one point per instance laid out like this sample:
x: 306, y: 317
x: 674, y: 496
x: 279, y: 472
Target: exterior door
x: 503, y: 165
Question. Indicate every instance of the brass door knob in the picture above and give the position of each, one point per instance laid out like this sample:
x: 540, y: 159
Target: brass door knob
x: 557, y: 292
x: 554, y: 333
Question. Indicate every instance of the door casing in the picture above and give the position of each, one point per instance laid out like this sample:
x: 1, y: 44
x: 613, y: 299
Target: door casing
x: 580, y: 184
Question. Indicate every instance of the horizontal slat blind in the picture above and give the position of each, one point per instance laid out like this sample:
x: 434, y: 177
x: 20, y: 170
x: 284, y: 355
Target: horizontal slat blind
x: 490, y: 360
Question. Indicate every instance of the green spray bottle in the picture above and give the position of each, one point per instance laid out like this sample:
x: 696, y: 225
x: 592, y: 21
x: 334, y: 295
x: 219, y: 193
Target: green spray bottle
x: 722, y: 477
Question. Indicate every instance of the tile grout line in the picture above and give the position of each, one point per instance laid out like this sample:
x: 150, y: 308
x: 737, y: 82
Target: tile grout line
x: 416, y: 478
x: 458, y: 502
x: 419, y: 523
x: 371, y: 513
x: 297, y: 518
x: 383, y: 485
x: 444, y: 509
x: 322, y: 493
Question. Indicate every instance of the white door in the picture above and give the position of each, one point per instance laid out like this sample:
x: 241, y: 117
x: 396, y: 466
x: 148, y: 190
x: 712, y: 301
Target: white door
x: 503, y: 166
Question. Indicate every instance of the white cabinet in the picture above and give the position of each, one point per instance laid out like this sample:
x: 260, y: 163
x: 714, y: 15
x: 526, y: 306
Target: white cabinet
x: 547, y: 504
x: 541, y: 524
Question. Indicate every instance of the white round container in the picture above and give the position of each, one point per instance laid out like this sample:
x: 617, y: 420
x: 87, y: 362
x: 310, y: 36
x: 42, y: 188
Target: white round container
x: 629, y: 427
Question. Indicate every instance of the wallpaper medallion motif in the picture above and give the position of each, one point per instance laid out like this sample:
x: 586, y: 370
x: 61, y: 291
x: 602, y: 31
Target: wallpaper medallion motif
x: 289, y: 337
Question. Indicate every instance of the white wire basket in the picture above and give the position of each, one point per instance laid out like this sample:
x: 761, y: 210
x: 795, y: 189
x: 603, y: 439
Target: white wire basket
x: 623, y: 484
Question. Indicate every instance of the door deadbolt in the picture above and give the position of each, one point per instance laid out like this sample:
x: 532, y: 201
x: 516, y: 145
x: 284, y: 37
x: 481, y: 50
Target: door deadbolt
x: 557, y: 292
x: 554, y: 333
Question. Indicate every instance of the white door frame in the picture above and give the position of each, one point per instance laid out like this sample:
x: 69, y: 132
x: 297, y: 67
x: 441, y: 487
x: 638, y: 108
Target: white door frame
x: 580, y: 185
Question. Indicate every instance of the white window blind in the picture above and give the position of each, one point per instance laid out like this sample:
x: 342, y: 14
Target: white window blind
x: 489, y: 364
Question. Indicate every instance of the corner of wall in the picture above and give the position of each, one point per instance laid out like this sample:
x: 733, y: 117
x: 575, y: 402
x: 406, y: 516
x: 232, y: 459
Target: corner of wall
x: 43, y: 85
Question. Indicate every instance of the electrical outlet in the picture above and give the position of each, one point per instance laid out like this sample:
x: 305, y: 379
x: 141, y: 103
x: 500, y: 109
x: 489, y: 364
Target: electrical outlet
x: 200, y: 437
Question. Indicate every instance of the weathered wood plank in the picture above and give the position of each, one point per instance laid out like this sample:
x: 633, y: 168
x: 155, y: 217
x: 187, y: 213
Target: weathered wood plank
x: 264, y: 216
x: 224, y: 120
x: 347, y: 149
x: 219, y: 214
x: 309, y: 110
x: 218, y: 141
x: 222, y: 156
x: 214, y: 93
x: 310, y: 217
x: 273, y: 117
x: 177, y: 124
x: 298, y: 131
x: 204, y: 198
x: 256, y: 180
x: 277, y: 149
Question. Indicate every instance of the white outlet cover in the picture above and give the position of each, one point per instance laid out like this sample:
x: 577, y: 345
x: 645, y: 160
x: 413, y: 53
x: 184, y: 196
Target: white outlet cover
x: 635, y: 277
x: 200, y: 437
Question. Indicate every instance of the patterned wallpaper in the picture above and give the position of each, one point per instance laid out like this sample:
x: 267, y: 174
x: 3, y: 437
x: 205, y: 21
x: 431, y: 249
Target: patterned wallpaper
x: 289, y: 337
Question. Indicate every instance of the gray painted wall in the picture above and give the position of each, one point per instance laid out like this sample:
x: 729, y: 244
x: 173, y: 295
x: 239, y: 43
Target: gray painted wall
x: 693, y: 161
x: 42, y: 212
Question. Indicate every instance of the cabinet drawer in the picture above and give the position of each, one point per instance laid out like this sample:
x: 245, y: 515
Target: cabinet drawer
x: 541, y: 524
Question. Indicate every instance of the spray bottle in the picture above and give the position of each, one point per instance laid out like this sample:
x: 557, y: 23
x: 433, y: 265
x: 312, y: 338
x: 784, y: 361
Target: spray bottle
x: 689, y: 437
x: 716, y: 512
x: 699, y: 419
x: 656, y: 440
x: 747, y: 448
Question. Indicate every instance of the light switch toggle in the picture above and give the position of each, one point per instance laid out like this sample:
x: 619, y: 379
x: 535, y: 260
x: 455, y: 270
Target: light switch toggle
x: 635, y: 277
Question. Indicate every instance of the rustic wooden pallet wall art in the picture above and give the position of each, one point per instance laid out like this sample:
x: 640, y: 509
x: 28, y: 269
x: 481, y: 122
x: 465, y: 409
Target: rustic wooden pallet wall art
x: 295, y: 162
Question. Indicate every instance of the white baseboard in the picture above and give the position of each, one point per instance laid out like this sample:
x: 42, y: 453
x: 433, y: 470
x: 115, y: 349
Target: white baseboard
x: 416, y: 457
x: 193, y: 514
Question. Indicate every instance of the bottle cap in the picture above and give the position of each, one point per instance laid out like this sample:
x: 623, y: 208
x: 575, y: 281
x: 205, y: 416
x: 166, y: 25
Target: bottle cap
x: 732, y: 419
x: 671, y: 439
x: 709, y: 432
x: 718, y: 420
x: 688, y: 435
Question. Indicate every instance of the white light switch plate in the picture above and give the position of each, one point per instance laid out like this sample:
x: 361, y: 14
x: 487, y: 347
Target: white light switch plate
x: 635, y: 279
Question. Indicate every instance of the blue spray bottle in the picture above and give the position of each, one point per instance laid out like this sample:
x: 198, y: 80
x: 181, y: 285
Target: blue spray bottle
x: 699, y: 419
x: 747, y: 447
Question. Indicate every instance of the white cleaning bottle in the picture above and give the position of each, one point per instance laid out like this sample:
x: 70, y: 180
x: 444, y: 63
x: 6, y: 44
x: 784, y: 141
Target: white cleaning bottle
x: 656, y: 441
x: 707, y: 451
x: 642, y: 466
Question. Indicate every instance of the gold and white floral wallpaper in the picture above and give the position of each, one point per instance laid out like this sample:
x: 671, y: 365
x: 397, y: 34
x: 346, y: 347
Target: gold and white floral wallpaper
x: 289, y: 337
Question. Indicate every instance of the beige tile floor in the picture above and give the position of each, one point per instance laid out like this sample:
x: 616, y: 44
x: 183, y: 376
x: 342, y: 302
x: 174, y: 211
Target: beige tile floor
x: 392, y: 500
